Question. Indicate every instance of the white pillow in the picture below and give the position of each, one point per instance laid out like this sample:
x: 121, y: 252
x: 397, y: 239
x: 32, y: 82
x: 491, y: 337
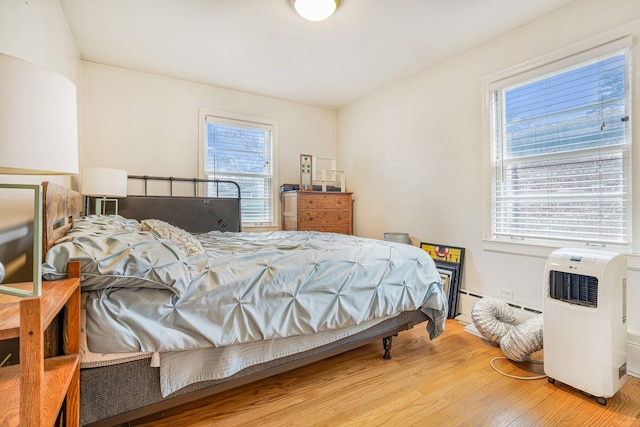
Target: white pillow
x: 183, y: 239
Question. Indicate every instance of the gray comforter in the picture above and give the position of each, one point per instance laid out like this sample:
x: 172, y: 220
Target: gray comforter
x: 244, y: 287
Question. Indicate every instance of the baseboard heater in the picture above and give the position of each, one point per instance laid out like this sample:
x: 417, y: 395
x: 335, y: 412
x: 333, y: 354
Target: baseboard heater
x: 466, y: 300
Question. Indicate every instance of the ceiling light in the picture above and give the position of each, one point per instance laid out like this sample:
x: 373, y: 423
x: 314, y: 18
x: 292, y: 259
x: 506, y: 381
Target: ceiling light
x: 315, y: 10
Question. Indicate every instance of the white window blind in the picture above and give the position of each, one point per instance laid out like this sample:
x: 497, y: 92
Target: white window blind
x: 561, y: 154
x: 242, y: 151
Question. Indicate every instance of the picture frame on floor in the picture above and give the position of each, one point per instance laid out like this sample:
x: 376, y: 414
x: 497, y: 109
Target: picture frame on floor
x: 449, y: 261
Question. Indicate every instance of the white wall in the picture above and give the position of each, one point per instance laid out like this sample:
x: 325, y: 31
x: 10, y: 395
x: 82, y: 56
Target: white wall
x: 413, y: 153
x: 38, y: 32
x: 148, y: 124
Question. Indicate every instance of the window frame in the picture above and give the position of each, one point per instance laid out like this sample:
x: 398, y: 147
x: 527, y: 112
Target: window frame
x: 206, y: 116
x: 553, y: 62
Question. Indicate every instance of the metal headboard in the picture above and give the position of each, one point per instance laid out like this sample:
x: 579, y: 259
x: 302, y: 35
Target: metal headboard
x: 197, y: 214
x: 195, y: 182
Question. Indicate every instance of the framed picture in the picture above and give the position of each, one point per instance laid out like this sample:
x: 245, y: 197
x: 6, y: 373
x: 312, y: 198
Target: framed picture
x: 446, y: 277
x: 449, y: 261
x: 319, y: 164
x: 306, y: 172
x: 28, y: 197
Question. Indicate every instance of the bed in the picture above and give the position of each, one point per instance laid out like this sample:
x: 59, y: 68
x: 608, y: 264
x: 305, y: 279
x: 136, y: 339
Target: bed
x: 211, y: 329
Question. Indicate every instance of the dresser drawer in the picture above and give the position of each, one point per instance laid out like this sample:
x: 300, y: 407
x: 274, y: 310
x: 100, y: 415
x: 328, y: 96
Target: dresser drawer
x: 323, y: 217
x: 324, y: 201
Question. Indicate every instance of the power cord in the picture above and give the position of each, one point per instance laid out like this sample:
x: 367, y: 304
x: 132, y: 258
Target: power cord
x: 5, y: 360
x: 537, y: 377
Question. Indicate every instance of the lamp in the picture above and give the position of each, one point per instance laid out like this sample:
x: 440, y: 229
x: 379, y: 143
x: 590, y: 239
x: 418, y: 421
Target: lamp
x: 106, y: 184
x: 315, y: 10
x: 38, y: 136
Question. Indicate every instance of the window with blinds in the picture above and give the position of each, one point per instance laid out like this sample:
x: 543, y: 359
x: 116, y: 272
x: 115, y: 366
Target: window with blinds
x: 561, y: 153
x: 242, y: 151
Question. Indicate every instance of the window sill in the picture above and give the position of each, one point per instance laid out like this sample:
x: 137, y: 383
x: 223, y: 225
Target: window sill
x: 542, y: 251
x: 538, y: 251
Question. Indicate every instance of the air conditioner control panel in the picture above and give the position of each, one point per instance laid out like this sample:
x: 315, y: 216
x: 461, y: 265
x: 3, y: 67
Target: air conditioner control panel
x: 579, y: 258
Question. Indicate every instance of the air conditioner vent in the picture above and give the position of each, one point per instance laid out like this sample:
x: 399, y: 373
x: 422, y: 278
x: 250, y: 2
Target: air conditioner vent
x: 573, y: 288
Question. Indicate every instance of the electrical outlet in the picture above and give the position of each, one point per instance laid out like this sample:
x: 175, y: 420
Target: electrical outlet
x: 505, y: 293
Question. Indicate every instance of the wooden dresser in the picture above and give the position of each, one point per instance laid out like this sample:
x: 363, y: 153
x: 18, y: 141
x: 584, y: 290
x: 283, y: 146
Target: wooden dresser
x: 317, y: 211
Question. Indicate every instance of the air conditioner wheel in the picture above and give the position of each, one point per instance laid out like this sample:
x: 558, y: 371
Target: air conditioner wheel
x: 602, y: 401
x: 551, y: 380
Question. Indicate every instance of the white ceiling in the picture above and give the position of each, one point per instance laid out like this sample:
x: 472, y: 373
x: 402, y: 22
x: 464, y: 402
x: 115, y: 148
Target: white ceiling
x: 264, y: 47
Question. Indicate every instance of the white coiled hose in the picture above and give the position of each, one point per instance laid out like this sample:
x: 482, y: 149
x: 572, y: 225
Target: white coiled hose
x: 495, y: 320
x: 522, y: 340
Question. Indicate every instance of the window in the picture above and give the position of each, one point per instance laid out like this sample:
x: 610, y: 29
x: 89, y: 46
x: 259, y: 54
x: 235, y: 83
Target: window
x: 561, y: 151
x: 242, y: 151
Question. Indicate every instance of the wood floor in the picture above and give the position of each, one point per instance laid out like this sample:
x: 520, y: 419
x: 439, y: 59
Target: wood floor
x: 445, y: 382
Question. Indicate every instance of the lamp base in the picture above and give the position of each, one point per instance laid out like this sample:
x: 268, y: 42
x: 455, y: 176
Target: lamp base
x: 101, y: 205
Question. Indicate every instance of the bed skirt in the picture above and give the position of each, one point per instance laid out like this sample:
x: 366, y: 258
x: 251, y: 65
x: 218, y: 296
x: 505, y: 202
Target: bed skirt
x: 114, y: 394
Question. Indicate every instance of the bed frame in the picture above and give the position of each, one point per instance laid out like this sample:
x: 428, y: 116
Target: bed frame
x: 116, y: 394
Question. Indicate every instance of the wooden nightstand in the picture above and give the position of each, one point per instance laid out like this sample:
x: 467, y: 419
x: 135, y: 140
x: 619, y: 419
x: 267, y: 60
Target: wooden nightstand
x: 317, y: 211
x: 32, y: 393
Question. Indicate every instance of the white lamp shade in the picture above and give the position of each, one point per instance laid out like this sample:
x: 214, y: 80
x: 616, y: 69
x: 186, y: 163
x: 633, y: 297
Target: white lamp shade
x: 104, y: 182
x: 38, y: 120
x: 315, y: 10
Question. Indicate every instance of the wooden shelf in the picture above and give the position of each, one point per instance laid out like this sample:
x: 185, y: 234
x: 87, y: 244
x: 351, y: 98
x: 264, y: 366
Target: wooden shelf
x: 58, y: 372
x: 32, y: 393
x: 54, y: 295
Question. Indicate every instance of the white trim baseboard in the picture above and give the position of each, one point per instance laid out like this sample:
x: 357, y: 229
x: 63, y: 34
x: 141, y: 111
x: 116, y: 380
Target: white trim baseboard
x: 633, y: 353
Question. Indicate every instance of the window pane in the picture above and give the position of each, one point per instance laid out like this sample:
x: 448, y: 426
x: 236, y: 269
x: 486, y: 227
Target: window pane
x: 576, y: 89
x: 242, y: 154
x: 577, y: 199
x: 561, y: 156
x: 236, y: 138
x: 567, y: 132
x: 574, y: 109
x: 234, y: 149
x: 222, y: 189
x: 256, y: 201
x: 239, y: 161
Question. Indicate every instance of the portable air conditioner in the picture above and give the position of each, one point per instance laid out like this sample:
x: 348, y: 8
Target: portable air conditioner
x: 585, y: 329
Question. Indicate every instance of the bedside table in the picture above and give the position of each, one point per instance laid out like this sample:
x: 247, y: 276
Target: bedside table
x: 32, y: 393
